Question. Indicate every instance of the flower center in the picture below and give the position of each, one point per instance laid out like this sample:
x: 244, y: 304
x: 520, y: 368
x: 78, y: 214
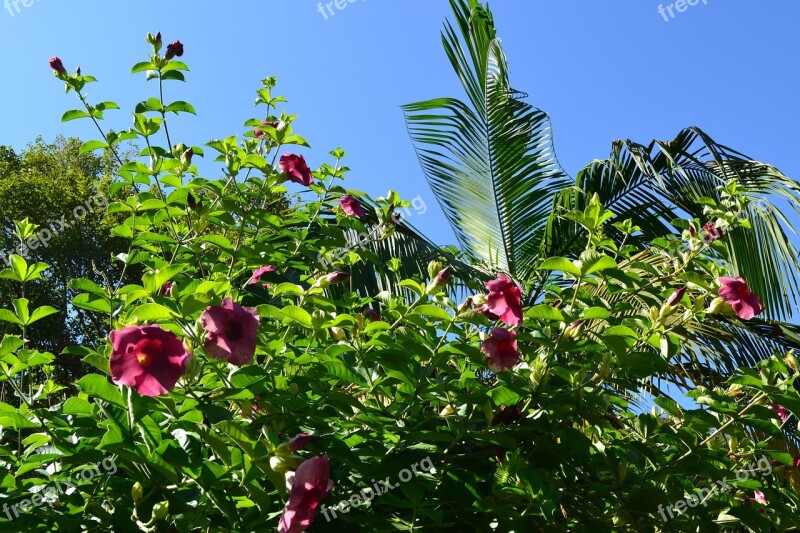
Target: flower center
x: 148, y: 351
x: 233, y: 330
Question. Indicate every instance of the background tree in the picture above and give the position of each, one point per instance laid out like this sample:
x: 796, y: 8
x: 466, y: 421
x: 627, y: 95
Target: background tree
x: 49, y: 183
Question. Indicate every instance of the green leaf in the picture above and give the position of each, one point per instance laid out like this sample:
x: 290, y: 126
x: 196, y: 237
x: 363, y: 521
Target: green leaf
x: 504, y: 396
x: 90, y: 146
x: 86, y: 285
x: 339, y: 370
x: 434, y: 312
x: 561, y: 264
x: 92, y: 302
x: 74, y: 114
x: 8, y: 316
x: 41, y: 313
x: 153, y: 313
x: 21, y: 308
x: 142, y: 67
x: 298, y: 315
x: 544, y: 312
x: 592, y: 262
x: 97, y: 386
x: 180, y: 107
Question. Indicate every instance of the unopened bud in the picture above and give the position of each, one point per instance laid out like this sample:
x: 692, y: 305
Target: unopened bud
x: 160, y: 510
x: 791, y: 361
x: 337, y: 277
x: 137, y: 491
x: 186, y: 158
x: 434, y: 267
x: 338, y: 334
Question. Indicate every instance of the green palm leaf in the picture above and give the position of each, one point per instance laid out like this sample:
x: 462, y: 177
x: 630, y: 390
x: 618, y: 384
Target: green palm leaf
x: 489, y: 162
x: 655, y: 184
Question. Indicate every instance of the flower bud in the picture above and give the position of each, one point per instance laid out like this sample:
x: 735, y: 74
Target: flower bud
x: 174, y: 49
x: 57, y: 65
x: 137, y: 491
x: 337, y: 277
x: 186, y: 158
x: 479, y: 300
x: 676, y: 297
x: 338, y: 334
x: 160, y: 510
x: 283, y: 464
x: 791, y: 361
x: 442, y: 279
x: 447, y: 411
x: 605, y: 365
x: 155, y: 41
x: 434, y: 267
x: 574, y: 330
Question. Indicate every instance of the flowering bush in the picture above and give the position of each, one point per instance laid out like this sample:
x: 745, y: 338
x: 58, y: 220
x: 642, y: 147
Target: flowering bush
x: 244, y: 385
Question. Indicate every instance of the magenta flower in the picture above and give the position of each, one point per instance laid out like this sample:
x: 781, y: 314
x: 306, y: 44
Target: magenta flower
x: 309, y: 485
x: 351, y: 206
x: 736, y: 292
x: 166, y: 288
x: 713, y: 232
x: 174, y: 49
x: 335, y: 278
x: 759, y: 497
x: 442, y: 279
x: 147, y: 358
x: 230, y: 332
x: 298, y: 442
x: 296, y: 169
x: 258, y: 133
x: 504, y: 301
x: 372, y: 315
x: 57, y: 65
x: 676, y: 297
x: 781, y: 410
x: 256, y: 277
x: 501, y: 350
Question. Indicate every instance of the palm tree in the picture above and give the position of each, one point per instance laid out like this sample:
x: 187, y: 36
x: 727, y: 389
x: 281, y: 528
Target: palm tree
x: 491, y: 165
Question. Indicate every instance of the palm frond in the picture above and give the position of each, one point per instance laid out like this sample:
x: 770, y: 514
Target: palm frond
x: 655, y: 184
x: 490, y: 162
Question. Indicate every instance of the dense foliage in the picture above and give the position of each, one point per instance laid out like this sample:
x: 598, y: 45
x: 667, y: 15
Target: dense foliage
x: 250, y: 380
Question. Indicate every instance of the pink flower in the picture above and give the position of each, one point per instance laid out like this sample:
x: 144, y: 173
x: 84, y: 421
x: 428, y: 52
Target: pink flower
x: 166, y: 288
x: 759, y: 497
x: 781, y: 410
x: 351, y: 206
x: 147, y: 358
x: 504, y: 300
x: 57, y: 65
x: 501, y: 350
x: 309, y: 485
x: 676, y: 297
x: 230, y: 332
x: 442, y: 278
x: 296, y: 169
x: 256, y: 277
x: 298, y: 442
x: 796, y: 462
x: 174, y: 49
x: 258, y: 133
x: 335, y: 278
x: 713, y: 232
x: 744, y: 303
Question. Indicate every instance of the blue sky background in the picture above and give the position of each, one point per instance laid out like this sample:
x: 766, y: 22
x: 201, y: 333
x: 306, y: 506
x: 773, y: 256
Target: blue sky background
x: 603, y: 70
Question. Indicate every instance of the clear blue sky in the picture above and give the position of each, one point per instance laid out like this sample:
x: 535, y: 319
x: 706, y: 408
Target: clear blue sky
x: 603, y: 70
